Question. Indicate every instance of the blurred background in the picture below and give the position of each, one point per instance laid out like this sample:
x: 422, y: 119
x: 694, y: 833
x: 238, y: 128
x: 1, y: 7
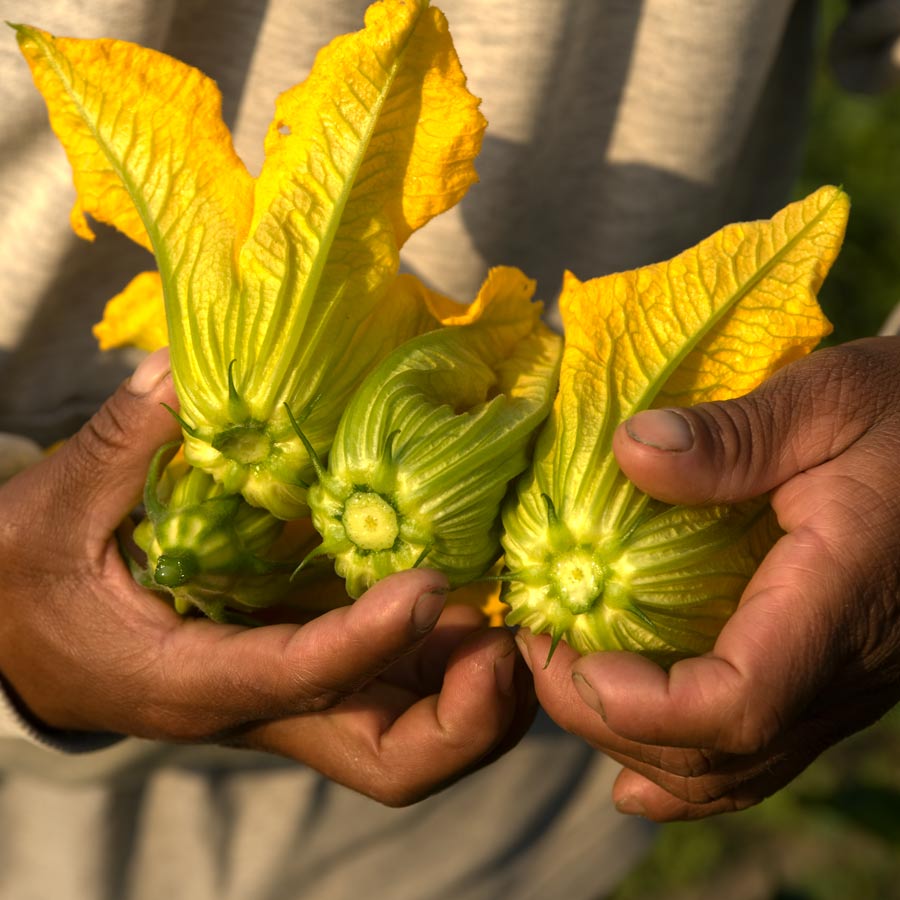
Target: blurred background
x: 834, y: 833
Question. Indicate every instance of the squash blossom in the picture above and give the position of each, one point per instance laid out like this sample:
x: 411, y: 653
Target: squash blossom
x: 428, y: 444
x: 279, y: 291
x: 208, y: 549
x: 590, y: 558
x: 205, y: 548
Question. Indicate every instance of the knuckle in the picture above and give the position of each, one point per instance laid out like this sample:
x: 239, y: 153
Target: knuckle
x: 184, y: 729
x: 811, y: 409
x: 842, y: 390
x: 738, y: 434
x: 751, y: 733
x: 847, y: 374
x: 170, y: 712
x: 104, y: 434
x: 316, y: 682
x: 711, y: 789
x: 725, y: 802
x: 180, y: 717
x: 466, y: 744
x: 315, y: 697
x: 396, y: 793
x: 688, y: 763
x: 323, y: 701
x: 701, y: 791
x: 743, y: 800
x: 178, y: 705
x: 171, y: 722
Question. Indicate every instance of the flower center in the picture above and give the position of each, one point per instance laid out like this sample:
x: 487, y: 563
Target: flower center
x: 370, y: 521
x: 244, y: 444
x: 579, y: 580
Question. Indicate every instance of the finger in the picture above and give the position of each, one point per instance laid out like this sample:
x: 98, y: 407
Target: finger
x: 667, y: 783
x: 400, y: 756
x: 452, y: 731
x: 816, y: 601
x: 565, y: 697
x: 737, y: 782
x: 97, y: 476
x: 804, y: 415
x: 634, y: 794
x: 526, y: 707
x: 422, y: 670
x: 208, y: 679
x: 747, y: 779
x: 777, y: 652
x: 740, y: 783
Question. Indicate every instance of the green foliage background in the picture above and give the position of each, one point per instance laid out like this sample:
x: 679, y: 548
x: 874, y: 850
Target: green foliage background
x: 834, y: 833
x: 855, y: 142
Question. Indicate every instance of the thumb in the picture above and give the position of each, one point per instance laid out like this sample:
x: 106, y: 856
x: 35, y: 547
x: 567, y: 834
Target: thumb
x: 98, y: 475
x: 804, y: 415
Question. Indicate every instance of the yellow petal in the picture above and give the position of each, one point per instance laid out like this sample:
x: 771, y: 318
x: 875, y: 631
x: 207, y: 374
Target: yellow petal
x: 387, y: 106
x: 500, y: 303
x: 151, y: 156
x: 380, y: 137
x: 363, y: 151
x: 268, y: 285
x: 711, y: 323
x: 136, y: 317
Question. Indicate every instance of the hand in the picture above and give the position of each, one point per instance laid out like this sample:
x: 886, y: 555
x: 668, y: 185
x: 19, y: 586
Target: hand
x: 388, y: 696
x: 813, y: 652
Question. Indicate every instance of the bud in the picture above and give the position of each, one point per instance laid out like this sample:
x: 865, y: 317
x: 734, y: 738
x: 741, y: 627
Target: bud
x: 209, y: 549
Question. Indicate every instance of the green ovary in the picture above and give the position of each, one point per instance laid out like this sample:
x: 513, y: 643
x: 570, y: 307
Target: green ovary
x: 174, y: 570
x: 664, y: 589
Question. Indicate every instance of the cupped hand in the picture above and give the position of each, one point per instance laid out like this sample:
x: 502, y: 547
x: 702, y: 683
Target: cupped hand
x: 812, y: 653
x: 392, y: 696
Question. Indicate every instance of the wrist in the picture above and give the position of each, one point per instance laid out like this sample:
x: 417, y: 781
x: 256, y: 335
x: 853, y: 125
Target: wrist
x: 17, y: 721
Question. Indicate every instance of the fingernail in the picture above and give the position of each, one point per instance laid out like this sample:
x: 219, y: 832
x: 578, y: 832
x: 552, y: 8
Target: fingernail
x: 504, y: 670
x: 152, y: 370
x: 588, y: 694
x: 427, y: 610
x: 631, y: 806
x: 663, y: 429
x: 523, y: 649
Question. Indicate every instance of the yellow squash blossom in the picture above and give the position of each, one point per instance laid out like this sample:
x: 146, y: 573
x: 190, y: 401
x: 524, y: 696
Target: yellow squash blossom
x: 279, y: 291
x: 206, y: 548
x: 591, y: 559
x: 428, y: 444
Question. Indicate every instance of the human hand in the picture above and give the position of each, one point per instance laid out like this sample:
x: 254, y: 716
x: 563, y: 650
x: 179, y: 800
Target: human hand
x: 390, y: 696
x: 812, y: 653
